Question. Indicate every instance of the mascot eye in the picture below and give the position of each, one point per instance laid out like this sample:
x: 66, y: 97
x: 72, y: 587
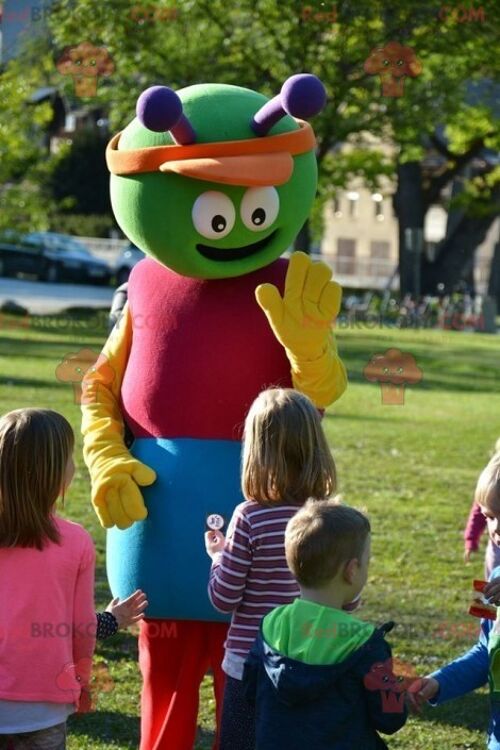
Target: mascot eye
x: 213, y: 215
x: 259, y: 208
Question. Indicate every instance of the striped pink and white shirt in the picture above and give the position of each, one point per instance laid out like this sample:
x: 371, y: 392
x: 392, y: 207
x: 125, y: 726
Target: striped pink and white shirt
x: 251, y: 577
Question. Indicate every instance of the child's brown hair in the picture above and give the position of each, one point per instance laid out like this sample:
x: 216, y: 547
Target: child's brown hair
x: 321, y: 537
x: 286, y: 457
x: 35, y: 447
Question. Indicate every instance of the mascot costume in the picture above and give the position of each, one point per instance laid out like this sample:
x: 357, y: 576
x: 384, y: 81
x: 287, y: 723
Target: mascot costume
x: 213, y: 183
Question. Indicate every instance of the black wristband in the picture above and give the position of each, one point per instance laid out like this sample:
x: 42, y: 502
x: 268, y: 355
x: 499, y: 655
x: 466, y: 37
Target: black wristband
x: 107, y: 625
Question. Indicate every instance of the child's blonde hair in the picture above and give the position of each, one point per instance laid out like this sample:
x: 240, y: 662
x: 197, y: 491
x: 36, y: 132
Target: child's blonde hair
x: 321, y: 537
x: 487, y: 491
x: 35, y: 447
x: 286, y: 458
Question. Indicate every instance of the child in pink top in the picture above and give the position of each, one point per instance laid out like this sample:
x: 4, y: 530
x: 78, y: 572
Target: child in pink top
x: 476, y: 524
x: 47, y: 616
x: 286, y: 460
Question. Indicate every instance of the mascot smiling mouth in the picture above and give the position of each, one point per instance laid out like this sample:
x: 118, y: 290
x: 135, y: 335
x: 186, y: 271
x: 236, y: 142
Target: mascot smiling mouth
x: 234, y: 253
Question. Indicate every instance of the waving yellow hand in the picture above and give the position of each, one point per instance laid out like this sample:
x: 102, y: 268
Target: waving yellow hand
x: 303, y: 317
x: 302, y: 321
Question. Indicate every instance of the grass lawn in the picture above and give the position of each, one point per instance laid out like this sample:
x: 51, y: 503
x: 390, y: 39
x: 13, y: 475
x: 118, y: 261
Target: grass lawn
x: 413, y: 467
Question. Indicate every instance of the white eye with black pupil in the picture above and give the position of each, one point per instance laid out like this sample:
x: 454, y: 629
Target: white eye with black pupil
x: 258, y: 217
x: 213, y: 215
x: 260, y: 208
x: 219, y: 223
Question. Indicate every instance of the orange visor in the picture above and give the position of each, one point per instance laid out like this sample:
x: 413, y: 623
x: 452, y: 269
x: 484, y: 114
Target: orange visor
x: 250, y: 162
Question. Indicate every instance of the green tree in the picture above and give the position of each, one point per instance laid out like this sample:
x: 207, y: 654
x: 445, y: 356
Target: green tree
x: 23, y: 148
x: 259, y: 43
x: 80, y: 172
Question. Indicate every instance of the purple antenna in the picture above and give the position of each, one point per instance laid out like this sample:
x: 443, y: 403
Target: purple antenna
x: 302, y: 95
x: 160, y: 109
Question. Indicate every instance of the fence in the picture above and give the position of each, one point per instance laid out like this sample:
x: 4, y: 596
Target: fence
x: 363, y: 272
x: 378, y: 273
x: 356, y: 272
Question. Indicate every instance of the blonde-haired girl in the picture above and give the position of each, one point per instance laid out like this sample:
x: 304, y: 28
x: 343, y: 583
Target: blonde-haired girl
x: 47, y: 616
x: 286, y: 461
x: 476, y: 525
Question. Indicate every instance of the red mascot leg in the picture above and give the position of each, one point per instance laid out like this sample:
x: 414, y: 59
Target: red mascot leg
x: 174, y: 656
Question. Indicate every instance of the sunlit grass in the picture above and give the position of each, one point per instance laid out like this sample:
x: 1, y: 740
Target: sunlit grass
x: 413, y: 467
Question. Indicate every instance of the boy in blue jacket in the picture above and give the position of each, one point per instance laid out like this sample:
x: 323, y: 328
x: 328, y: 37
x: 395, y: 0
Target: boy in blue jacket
x: 320, y: 677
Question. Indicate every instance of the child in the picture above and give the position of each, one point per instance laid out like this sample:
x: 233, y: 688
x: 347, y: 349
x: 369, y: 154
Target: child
x: 47, y: 617
x: 481, y: 664
x: 321, y: 678
x: 286, y: 460
x: 476, y: 524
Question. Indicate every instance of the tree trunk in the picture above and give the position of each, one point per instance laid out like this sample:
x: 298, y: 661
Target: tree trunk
x: 303, y: 239
x: 409, y: 207
x: 494, y: 282
x: 455, y: 254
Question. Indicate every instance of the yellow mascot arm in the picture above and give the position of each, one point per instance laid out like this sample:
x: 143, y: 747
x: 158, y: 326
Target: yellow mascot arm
x: 302, y: 321
x: 115, y: 474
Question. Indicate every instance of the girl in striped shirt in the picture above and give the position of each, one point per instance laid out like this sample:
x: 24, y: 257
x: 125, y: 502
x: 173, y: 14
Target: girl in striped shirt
x: 286, y: 461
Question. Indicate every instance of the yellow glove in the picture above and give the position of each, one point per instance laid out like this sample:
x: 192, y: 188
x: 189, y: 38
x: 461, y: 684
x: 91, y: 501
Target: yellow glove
x: 115, y: 474
x: 302, y: 322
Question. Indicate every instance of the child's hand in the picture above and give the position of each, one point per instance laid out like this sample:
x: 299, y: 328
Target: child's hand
x: 468, y: 554
x: 492, y: 591
x: 129, y: 610
x: 85, y: 702
x: 214, y: 542
x: 422, y: 690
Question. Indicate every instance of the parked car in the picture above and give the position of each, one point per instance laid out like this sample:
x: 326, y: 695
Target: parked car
x: 51, y: 257
x: 126, y: 261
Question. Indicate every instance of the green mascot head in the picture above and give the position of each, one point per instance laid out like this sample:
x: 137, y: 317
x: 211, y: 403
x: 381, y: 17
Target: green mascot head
x: 216, y: 181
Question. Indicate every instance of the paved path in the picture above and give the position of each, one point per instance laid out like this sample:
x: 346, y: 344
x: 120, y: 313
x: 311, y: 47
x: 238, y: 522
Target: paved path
x: 42, y: 298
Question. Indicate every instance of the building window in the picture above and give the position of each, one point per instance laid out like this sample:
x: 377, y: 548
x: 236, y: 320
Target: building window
x: 337, y: 212
x: 353, y: 197
x: 377, y: 198
x: 380, y: 253
x: 346, y: 256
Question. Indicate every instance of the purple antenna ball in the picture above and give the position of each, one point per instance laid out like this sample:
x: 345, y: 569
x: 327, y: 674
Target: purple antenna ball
x: 159, y: 109
x: 303, y: 96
